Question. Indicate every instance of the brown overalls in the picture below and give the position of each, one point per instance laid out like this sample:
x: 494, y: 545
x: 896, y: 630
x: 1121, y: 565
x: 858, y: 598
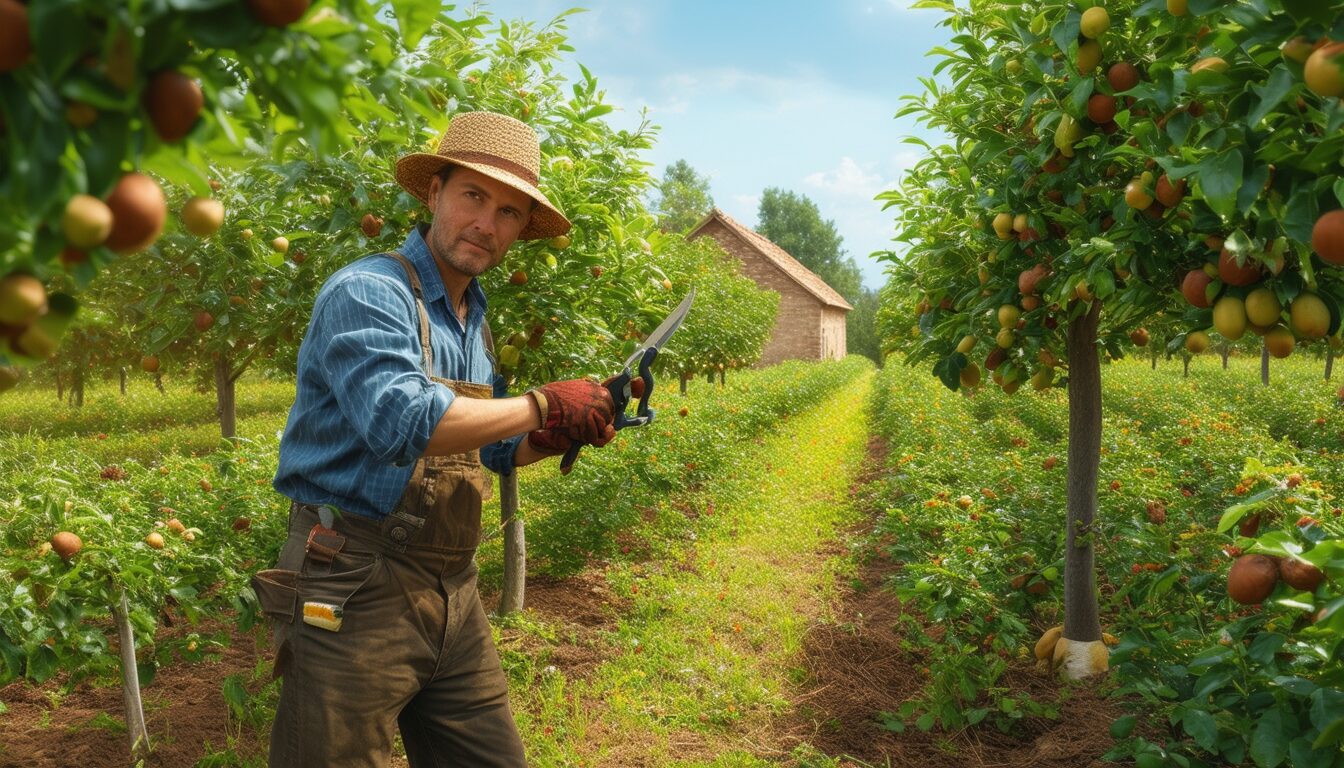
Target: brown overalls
x: 379, y: 624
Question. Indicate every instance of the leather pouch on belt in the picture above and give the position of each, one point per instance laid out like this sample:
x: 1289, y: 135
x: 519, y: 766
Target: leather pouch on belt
x: 277, y: 591
x: 326, y: 595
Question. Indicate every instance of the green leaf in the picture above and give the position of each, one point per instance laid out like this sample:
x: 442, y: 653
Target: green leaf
x: 414, y: 19
x: 1265, y: 645
x: 1200, y: 726
x: 1304, y: 754
x: 1079, y: 95
x: 1269, y: 740
x: 42, y: 663
x: 1234, y: 513
x: 948, y: 370
x: 1121, y: 727
x: 1220, y: 179
x: 1331, y: 734
x: 1271, y: 94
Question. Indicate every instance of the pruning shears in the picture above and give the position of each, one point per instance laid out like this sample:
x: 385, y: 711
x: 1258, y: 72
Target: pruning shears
x: 619, y: 385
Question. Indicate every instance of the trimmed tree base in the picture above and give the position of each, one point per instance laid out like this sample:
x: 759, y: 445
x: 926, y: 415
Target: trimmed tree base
x: 1077, y: 659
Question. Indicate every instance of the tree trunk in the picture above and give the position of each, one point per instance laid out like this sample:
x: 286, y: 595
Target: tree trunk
x: 710, y: 377
x: 130, y: 680
x: 121, y: 377
x: 1155, y: 356
x: 685, y: 378
x: 515, y: 547
x: 1329, y: 363
x: 722, y: 373
x: 77, y: 389
x: 1085, y: 654
x: 158, y: 383
x: 1264, y: 366
x: 1225, y: 351
x: 225, y: 398
x: 60, y: 388
x: 1185, y: 374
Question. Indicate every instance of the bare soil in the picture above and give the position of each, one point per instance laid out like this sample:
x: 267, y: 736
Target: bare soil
x: 857, y: 668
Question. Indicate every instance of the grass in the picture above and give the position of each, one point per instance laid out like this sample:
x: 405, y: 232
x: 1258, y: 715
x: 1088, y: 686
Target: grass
x: 704, y: 660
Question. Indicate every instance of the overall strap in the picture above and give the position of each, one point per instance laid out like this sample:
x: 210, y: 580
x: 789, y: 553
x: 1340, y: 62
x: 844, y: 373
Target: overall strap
x: 426, y: 353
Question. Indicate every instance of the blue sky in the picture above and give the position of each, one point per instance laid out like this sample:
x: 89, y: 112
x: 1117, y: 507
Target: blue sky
x: 795, y: 95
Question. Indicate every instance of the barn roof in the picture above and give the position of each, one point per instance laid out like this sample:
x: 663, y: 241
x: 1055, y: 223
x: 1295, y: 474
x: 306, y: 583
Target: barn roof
x: 777, y: 256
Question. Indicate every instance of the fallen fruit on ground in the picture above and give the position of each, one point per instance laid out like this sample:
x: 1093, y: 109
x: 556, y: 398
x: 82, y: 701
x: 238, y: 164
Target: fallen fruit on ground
x: 66, y: 544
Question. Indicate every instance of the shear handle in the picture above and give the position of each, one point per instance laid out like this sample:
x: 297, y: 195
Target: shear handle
x: 619, y: 387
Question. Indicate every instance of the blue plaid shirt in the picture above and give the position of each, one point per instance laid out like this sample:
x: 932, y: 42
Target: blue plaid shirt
x: 364, y: 410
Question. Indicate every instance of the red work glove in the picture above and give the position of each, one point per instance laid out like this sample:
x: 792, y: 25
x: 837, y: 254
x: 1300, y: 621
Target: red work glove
x: 580, y: 409
x: 548, y: 442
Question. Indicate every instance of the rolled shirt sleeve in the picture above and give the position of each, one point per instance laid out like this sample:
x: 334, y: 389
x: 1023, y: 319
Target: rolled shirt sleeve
x: 500, y: 457
x: 370, y: 356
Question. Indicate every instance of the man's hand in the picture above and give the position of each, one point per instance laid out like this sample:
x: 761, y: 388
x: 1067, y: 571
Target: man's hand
x: 580, y: 409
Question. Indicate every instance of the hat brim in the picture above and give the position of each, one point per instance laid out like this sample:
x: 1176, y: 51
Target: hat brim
x: 415, y: 170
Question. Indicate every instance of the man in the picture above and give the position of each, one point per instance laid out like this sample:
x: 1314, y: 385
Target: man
x: 378, y: 620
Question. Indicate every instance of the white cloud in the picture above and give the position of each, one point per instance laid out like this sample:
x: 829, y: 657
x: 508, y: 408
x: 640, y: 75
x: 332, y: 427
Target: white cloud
x: 849, y: 180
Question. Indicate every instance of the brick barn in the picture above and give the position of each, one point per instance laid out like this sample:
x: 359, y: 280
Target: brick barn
x: 811, y: 320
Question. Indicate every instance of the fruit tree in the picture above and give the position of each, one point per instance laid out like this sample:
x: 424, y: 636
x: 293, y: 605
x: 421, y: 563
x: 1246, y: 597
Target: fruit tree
x: 1106, y: 162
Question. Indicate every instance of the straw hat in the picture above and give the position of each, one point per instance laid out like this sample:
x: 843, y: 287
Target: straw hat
x: 498, y: 146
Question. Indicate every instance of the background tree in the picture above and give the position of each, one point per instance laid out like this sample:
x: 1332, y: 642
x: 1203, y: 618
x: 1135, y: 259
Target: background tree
x: 861, y: 334
x: 683, y: 198
x: 794, y: 223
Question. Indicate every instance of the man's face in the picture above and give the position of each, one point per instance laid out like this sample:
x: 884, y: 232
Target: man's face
x: 476, y: 219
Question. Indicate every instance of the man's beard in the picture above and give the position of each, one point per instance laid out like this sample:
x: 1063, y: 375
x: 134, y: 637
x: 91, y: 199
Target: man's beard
x: 463, y: 263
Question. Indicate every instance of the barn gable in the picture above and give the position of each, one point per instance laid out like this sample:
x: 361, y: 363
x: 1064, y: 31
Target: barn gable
x: 811, y: 320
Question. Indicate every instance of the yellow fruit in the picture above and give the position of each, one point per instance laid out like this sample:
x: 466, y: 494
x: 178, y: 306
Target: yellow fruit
x: 1089, y: 56
x: 970, y: 375
x: 1229, y: 317
x: 22, y: 299
x: 1005, y: 338
x: 1003, y: 226
x: 1042, y: 379
x: 1210, y: 64
x: 1262, y: 307
x: 154, y: 540
x: 1045, y: 647
x: 966, y: 345
x: 1324, y: 70
x: 1083, y: 291
x: 1067, y: 133
x: 202, y: 216
x: 1019, y: 222
x: 1008, y: 316
x: 1309, y: 317
x: 560, y: 242
x: 1196, y: 342
x: 35, y: 343
x: 280, y: 244
x: 87, y: 222
x: 1095, y: 21
x: 1178, y: 7
x: 1279, y: 341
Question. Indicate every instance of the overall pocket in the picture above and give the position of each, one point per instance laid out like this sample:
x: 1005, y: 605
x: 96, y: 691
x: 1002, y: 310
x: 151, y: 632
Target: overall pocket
x: 325, y: 594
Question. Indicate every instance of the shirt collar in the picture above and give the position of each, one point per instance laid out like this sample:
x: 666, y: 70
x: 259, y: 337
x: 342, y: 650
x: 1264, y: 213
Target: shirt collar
x: 431, y: 282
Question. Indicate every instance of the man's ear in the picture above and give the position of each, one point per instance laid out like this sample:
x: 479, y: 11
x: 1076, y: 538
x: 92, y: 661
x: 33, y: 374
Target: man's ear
x: 432, y: 194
